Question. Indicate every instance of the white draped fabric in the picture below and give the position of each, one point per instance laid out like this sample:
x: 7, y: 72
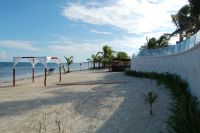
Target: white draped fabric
x: 42, y: 60
x: 54, y: 60
x: 16, y: 60
x: 34, y: 60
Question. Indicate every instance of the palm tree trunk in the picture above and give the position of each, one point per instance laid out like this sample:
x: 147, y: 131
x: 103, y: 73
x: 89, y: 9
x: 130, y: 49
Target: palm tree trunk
x: 180, y: 37
x: 151, y: 112
x: 67, y: 68
x: 93, y: 64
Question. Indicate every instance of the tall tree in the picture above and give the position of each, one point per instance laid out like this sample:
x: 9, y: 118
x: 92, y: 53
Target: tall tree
x: 122, y: 55
x: 187, y: 21
x: 151, y: 43
x: 94, y: 59
x: 107, y: 55
x: 99, y: 60
x: 181, y: 21
x: 69, y: 62
x: 163, y: 40
x: 107, y: 51
x: 195, y: 13
x: 89, y: 60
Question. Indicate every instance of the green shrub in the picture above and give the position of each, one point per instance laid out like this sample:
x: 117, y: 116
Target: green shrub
x: 149, y: 99
x: 185, y: 108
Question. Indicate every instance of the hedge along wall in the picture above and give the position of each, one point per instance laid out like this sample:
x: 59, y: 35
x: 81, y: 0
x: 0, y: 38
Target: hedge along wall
x: 185, y: 64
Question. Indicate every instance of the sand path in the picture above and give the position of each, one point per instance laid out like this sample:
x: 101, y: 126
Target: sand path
x: 88, y: 102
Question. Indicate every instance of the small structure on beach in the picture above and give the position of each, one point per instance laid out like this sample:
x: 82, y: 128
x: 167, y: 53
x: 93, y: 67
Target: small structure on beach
x: 119, y: 65
x: 34, y: 60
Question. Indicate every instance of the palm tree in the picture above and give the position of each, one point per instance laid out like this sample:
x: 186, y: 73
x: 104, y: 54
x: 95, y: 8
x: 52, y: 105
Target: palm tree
x: 89, y: 60
x: 184, y: 23
x: 195, y: 13
x: 107, y: 51
x: 150, y: 98
x: 163, y: 40
x: 94, y: 59
x: 69, y: 62
x: 122, y: 55
x: 107, y: 55
x: 151, y: 43
x: 99, y: 60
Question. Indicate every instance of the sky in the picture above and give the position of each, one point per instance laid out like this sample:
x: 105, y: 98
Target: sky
x: 80, y: 28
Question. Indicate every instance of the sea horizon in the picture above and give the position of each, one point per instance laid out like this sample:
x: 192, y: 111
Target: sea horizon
x: 24, y: 69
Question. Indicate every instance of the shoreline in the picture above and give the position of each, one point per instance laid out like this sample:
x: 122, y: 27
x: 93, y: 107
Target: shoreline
x: 41, y: 75
x: 6, y: 70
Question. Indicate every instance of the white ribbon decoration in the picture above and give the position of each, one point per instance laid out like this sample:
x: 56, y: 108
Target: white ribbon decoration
x: 54, y: 60
x: 44, y: 60
x: 16, y: 60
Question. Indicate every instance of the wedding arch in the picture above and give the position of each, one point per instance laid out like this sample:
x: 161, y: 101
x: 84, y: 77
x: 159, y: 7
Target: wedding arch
x: 34, y: 60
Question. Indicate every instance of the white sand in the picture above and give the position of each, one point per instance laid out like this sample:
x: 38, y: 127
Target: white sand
x: 85, y: 104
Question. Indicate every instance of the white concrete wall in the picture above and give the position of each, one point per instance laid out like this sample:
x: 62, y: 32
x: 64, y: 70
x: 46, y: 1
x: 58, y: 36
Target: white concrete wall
x: 185, y: 64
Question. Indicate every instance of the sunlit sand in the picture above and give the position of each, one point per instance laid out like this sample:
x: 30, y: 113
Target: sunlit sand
x: 84, y: 102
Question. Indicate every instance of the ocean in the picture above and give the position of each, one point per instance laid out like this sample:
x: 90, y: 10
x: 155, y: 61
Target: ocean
x: 24, y: 69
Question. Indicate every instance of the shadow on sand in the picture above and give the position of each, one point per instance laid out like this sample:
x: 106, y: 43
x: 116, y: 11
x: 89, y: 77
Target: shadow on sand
x: 88, y: 104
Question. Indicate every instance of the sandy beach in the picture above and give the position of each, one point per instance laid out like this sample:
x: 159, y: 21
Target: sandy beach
x: 92, y: 101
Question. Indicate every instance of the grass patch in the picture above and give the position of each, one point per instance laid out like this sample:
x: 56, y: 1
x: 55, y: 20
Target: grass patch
x: 185, y: 108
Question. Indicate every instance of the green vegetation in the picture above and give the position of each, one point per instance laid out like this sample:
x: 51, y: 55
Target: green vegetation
x: 150, y: 98
x: 187, y: 20
x: 94, y: 59
x: 162, y: 41
x: 69, y: 62
x: 122, y: 55
x: 151, y: 43
x: 106, y: 56
x: 185, y: 108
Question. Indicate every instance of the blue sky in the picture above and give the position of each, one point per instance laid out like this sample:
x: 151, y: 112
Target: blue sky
x: 80, y: 27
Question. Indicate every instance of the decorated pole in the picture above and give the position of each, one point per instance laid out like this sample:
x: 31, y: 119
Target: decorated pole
x: 33, y: 71
x: 33, y: 75
x: 45, y: 72
x: 45, y: 76
x: 13, y: 71
x: 13, y: 76
x: 59, y: 73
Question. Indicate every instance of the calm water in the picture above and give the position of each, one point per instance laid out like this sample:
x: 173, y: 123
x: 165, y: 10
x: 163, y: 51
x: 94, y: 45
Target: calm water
x: 24, y: 70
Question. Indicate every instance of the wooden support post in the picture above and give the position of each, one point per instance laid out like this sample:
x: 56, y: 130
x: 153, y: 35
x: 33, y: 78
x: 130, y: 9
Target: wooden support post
x: 60, y: 73
x: 45, y: 77
x: 33, y: 75
x: 33, y: 71
x: 13, y: 76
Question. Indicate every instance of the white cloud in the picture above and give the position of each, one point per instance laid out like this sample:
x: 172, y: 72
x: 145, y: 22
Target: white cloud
x: 23, y: 45
x: 134, y: 16
x: 82, y: 51
x: 142, y: 17
x: 2, y: 54
x: 100, y: 32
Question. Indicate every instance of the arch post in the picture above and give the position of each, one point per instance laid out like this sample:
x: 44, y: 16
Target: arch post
x: 45, y: 76
x: 33, y: 75
x: 60, y: 73
x: 13, y: 76
x: 33, y: 71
